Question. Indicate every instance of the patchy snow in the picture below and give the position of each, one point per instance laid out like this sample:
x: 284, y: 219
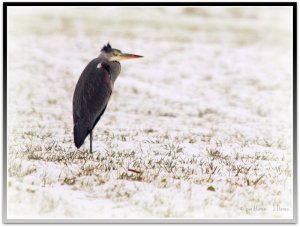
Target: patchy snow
x: 205, y: 116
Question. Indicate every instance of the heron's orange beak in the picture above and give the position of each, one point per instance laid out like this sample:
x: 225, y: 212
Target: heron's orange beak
x: 125, y: 57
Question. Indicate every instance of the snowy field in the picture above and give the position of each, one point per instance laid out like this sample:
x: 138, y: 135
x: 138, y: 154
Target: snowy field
x: 204, y: 118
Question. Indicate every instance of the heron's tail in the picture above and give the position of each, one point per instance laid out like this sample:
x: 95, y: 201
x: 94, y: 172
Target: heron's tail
x: 80, y: 133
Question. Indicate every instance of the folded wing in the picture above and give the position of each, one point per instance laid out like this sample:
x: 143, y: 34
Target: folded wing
x: 90, y: 98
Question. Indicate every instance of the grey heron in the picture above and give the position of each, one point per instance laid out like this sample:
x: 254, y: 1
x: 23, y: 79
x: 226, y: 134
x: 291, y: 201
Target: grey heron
x: 93, y: 90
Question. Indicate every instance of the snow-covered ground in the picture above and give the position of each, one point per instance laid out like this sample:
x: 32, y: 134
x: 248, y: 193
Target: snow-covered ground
x: 205, y: 116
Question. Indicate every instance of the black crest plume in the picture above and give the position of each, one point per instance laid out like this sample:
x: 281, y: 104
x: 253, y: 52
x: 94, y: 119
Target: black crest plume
x: 106, y: 48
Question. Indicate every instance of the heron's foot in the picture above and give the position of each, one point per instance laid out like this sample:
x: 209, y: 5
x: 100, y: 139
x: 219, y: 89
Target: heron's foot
x: 91, y: 155
x: 88, y: 155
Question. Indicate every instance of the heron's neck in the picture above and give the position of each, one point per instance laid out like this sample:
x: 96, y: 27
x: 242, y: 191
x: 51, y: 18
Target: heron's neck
x: 114, y: 67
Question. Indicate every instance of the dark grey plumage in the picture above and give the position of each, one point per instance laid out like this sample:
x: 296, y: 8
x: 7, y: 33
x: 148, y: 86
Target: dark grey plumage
x: 93, y: 91
x: 91, y: 96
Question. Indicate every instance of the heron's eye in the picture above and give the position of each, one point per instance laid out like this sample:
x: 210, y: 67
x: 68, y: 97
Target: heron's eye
x: 115, y: 54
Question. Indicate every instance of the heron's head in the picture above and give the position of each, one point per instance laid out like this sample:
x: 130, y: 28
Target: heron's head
x: 112, y: 54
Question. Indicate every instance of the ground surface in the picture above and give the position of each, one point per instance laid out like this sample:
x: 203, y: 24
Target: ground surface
x: 205, y: 117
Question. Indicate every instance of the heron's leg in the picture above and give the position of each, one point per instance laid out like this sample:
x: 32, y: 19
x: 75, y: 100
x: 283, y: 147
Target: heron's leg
x: 91, y: 141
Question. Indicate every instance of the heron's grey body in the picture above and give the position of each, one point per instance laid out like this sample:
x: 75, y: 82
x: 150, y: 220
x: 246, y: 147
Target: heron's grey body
x: 93, y: 91
x: 91, y: 96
